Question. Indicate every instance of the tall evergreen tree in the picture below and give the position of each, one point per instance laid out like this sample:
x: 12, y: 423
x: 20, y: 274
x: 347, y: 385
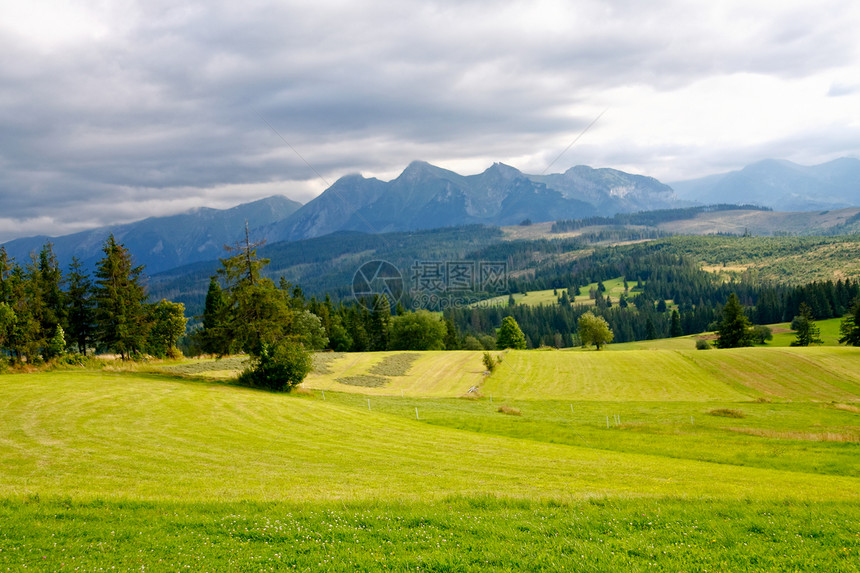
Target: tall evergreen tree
x: 849, y: 328
x: 675, y: 329
x: 807, y: 332
x: 23, y: 340
x: 6, y: 264
x: 79, y: 307
x: 380, y: 323
x: 50, y: 278
x: 120, y: 316
x: 259, y: 319
x: 214, y: 337
x: 734, y: 330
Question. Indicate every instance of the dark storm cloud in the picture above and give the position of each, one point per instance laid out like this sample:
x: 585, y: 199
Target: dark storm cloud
x: 171, y: 107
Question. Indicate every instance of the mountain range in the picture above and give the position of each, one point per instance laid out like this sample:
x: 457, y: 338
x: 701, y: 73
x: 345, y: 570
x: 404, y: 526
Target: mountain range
x: 424, y: 196
x: 161, y: 243
x: 780, y: 185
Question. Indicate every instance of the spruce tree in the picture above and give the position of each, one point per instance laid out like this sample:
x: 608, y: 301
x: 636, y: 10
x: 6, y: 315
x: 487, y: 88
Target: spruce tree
x: 215, y: 337
x: 849, y: 328
x: 259, y: 318
x: 734, y: 330
x: 675, y: 329
x: 50, y: 277
x: 79, y: 307
x: 807, y: 332
x: 120, y: 316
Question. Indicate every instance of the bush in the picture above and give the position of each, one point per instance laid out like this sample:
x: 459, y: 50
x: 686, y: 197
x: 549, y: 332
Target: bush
x: 472, y: 343
x: 761, y: 334
x: 489, y: 362
x: 702, y: 344
x: 279, y: 367
x: 488, y: 342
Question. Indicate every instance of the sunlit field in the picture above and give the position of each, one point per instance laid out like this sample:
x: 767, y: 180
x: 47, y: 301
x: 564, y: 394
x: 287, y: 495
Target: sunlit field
x: 639, y: 459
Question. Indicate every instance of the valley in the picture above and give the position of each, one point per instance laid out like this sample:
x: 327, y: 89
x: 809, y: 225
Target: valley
x: 658, y: 452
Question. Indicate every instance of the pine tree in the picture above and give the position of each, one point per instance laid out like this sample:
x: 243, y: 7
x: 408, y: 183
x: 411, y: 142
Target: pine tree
x: 807, y: 332
x: 849, y: 328
x: 120, y: 316
x: 259, y: 318
x: 6, y: 264
x: 79, y: 307
x: 380, y: 323
x: 215, y: 338
x: 675, y: 329
x: 734, y: 330
x: 50, y: 277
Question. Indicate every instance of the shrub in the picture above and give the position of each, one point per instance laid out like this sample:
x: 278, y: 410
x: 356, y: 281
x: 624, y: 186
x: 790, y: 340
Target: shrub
x: 702, y: 344
x: 510, y: 411
x: 761, y: 334
x: 472, y: 343
x: 279, y: 367
x: 489, y: 362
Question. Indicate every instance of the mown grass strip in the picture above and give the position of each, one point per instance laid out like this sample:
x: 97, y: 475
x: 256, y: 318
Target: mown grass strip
x: 127, y: 436
x: 473, y: 533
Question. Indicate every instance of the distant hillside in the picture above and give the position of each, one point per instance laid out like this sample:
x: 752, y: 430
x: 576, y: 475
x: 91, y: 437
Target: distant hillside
x: 162, y: 243
x: 425, y: 197
x: 781, y: 185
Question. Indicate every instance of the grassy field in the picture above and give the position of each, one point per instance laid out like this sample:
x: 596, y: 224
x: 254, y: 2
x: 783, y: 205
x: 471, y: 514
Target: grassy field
x: 636, y: 459
x: 614, y: 290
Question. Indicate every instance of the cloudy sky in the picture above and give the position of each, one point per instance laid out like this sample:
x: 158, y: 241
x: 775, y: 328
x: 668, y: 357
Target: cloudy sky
x: 111, y: 111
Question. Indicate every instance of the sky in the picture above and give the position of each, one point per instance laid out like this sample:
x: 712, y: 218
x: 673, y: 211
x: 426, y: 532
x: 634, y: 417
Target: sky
x: 116, y: 110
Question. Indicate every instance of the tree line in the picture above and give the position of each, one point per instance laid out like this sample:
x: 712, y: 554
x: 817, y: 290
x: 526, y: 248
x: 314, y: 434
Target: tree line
x: 45, y: 313
x: 641, y: 313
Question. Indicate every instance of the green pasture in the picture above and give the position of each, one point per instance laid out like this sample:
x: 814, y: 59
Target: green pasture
x: 456, y: 534
x: 614, y: 290
x: 663, y: 459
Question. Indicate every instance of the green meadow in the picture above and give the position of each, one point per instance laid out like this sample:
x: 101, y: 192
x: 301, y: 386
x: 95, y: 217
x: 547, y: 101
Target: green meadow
x: 662, y: 458
x: 614, y: 290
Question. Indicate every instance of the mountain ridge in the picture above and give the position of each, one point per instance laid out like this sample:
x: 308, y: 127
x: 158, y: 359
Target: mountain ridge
x: 781, y: 184
x: 426, y: 196
x: 161, y: 243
